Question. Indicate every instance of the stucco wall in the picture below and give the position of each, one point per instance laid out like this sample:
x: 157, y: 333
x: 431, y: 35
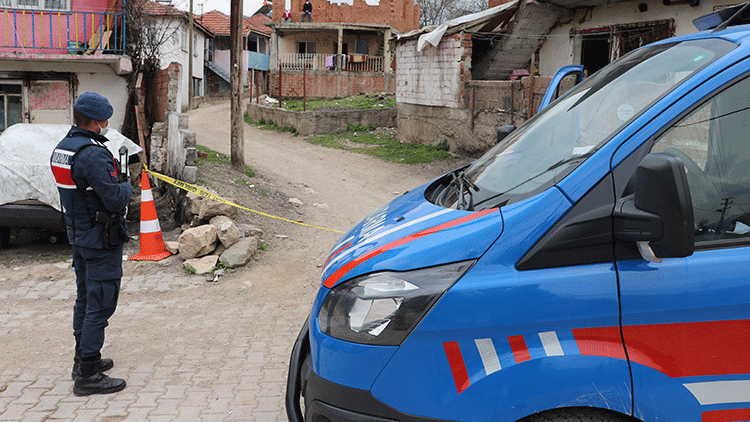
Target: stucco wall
x: 559, y: 49
x: 114, y: 87
x: 171, y: 51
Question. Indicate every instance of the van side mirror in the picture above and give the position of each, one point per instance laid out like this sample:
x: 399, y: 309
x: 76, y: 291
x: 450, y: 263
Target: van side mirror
x: 659, y: 215
x: 504, y: 131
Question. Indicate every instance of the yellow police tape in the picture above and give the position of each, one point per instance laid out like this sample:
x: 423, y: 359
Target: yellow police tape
x: 206, y: 194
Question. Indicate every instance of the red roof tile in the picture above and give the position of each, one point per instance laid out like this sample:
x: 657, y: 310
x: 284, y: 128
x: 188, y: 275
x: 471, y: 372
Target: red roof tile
x: 157, y: 9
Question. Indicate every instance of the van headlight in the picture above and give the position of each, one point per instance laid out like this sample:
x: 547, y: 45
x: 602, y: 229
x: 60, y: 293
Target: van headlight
x: 383, y: 308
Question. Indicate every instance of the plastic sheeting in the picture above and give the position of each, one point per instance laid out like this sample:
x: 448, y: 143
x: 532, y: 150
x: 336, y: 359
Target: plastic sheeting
x: 25, y: 151
x: 436, y: 35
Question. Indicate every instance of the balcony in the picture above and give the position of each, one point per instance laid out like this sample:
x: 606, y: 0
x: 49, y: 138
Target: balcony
x: 24, y: 31
x: 257, y: 61
x: 348, y: 63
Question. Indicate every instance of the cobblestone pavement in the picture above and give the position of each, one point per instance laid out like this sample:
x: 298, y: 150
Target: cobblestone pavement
x: 190, y: 350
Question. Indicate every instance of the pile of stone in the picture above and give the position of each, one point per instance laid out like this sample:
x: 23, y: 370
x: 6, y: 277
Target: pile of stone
x: 213, y: 237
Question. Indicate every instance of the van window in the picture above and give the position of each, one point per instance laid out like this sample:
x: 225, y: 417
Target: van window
x: 712, y: 142
x: 558, y: 139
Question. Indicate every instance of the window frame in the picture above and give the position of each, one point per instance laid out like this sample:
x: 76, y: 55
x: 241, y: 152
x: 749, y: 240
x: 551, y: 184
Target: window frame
x: 41, y: 5
x: 708, y: 244
x: 4, y: 99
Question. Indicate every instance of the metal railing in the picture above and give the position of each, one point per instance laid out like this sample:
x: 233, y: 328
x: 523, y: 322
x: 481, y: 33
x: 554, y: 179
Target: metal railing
x: 352, y: 63
x: 61, y: 32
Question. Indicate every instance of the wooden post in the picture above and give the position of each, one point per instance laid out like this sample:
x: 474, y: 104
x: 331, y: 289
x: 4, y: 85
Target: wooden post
x: 280, y: 96
x: 237, y: 129
x: 472, y: 104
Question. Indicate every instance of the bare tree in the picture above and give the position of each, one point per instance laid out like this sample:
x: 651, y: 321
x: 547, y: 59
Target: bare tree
x: 435, y: 12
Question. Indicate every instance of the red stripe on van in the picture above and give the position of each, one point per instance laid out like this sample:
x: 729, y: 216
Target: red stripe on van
x: 458, y: 367
x: 519, y: 348
x: 336, y: 276
x: 726, y: 415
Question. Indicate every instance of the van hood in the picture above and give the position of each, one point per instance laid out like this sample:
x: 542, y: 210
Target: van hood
x: 410, y: 233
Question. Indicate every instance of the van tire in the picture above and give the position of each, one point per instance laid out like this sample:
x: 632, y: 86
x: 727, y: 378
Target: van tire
x: 578, y: 414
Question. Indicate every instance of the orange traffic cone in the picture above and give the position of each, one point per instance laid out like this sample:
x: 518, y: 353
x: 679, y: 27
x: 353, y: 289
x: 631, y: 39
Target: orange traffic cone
x: 152, y: 243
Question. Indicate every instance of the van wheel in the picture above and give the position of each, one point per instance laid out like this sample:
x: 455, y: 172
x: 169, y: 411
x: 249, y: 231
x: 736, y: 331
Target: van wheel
x: 578, y: 414
x: 4, y: 237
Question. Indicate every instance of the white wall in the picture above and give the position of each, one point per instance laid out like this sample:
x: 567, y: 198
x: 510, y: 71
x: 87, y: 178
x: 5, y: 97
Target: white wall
x: 113, y: 87
x: 172, y: 51
x: 559, y: 49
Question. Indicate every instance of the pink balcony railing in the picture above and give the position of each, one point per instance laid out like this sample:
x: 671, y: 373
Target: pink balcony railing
x: 61, y: 32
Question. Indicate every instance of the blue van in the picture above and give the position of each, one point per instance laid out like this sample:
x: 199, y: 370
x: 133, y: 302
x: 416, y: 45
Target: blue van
x: 593, y: 266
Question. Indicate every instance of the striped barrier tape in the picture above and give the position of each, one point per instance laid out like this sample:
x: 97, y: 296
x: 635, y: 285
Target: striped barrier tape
x: 206, y: 194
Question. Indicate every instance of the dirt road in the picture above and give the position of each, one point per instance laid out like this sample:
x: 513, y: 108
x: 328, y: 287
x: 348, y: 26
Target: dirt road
x: 337, y: 188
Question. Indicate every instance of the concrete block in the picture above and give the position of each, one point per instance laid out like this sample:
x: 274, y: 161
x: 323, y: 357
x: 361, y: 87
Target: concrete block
x: 190, y: 174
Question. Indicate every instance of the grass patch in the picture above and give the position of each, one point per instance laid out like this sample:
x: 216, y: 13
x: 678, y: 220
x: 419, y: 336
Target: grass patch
x: 217, y: 157
x: 269, y: 125
x: 359, y: 102
x: 384, y: 146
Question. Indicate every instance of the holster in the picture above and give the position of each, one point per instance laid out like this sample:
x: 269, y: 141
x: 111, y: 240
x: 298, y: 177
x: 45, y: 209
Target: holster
x: 110, y: 229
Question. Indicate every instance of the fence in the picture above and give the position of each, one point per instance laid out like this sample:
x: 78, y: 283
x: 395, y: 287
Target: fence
x: 61, y: 32
x: 352, y: 63
x: 513, y: 97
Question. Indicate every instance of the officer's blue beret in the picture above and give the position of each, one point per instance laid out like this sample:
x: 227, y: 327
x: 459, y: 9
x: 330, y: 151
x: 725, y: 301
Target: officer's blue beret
x: 93, y: 106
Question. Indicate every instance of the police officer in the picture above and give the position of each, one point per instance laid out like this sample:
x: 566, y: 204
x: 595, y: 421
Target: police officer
x: 94, y: 203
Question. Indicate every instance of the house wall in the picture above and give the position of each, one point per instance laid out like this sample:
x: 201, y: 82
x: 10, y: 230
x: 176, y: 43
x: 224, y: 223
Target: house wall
x: 172, y: 52
x: 562, y: 49
x: 326, y: 84
x: 402, y: 15
x: 20, y: 28
x: 223, y: 59
x: 89, y: 76
x: 434, y: 76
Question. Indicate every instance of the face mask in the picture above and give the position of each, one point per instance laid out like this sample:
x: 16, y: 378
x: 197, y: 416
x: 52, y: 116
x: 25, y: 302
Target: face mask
x: 103, y: 130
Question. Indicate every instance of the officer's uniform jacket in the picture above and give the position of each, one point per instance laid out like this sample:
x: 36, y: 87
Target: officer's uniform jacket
x: 86, y: 176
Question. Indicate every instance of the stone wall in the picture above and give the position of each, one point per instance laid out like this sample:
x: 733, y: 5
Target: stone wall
x: 319, y: 121
x: 173, y: 148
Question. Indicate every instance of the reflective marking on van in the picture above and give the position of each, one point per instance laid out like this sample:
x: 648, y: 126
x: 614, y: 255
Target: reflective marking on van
x: 551, y: 344
x: 338, y: 274
x: 488, y: 354
x: 719, y: 392
x: 365, y: 240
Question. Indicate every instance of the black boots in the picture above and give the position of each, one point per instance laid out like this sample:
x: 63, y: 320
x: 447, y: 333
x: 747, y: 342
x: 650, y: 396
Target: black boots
x: 90, y: 380
x: 104, y: 365
x: 97, y: 384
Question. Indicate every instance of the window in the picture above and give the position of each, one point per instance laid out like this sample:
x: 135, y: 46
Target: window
x: 11, y: 106
x: 183, y: 40
x: 712, y: 143
x: 307, y: 47
x: 361, y: 47
x: 36, y: 4
x: 197, y: 83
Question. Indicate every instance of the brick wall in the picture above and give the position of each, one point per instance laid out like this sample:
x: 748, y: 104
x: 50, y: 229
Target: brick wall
x: 402, y: 15
x: 162, y: 93
x: 435, y: 76
x: 324, y: 84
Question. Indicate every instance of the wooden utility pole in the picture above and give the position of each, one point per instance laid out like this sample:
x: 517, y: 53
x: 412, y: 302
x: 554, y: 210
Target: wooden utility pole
x: 237, y: 131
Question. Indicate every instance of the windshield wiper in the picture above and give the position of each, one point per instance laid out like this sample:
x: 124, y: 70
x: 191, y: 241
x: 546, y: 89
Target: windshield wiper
x: 464, y: 184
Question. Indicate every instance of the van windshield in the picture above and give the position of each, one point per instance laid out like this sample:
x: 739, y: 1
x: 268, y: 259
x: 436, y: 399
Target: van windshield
x: 562, y: 136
